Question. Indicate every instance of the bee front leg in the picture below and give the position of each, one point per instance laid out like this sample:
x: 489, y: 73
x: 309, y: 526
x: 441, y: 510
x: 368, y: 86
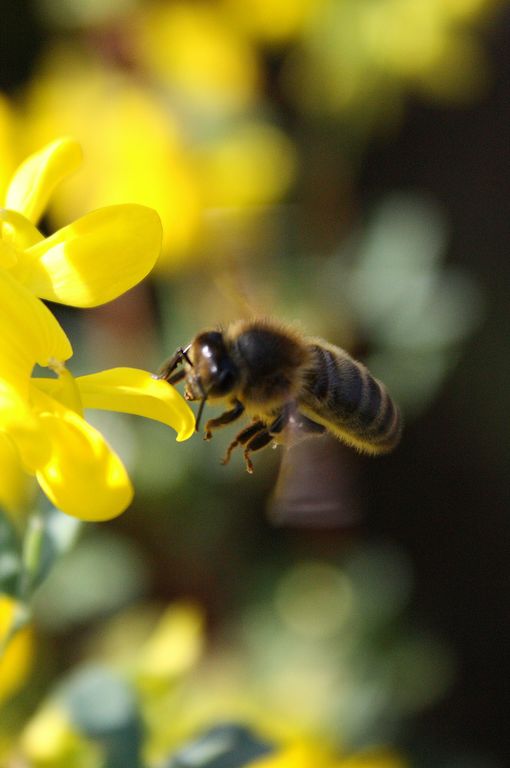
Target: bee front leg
x: 243, y: 437
x: 226, y: 418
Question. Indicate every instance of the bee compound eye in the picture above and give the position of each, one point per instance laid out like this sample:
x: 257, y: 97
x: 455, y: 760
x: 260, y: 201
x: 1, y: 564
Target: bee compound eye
x: 226, y: 379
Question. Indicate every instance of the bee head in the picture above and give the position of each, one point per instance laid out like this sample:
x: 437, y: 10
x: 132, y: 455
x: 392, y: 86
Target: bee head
x: 213, y: 372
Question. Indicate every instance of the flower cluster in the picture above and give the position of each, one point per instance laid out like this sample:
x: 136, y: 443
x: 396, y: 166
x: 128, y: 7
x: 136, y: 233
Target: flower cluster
x: 87, y: 263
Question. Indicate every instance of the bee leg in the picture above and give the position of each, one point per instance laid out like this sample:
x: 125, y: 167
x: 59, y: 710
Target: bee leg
x: 264, y: 435
x: 225, y: 418
x: 244, y: 435
x: 281, y: 421
x: 258, y: 441
x: 258, y: 435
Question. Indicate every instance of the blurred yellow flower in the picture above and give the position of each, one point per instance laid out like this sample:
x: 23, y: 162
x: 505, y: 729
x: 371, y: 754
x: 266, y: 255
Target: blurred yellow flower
x: 272, y: 22
x: 357, y: 55
x: 50, y: 741
x: 299, y: 755
x: 251, y: 165
x: 16, y: 649
x: 194, y: 157
x: 87, y: 263
x: 192, y: 49
x: 173, y: 648
x: 310, y: 755
x: 132, y: 141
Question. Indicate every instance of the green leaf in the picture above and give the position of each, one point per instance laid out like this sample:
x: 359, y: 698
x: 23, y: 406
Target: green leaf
x: 104, y: 708
x: 49, y: 535
x: 103, y: 573
x: 224, y: 746
x: 10, y: 556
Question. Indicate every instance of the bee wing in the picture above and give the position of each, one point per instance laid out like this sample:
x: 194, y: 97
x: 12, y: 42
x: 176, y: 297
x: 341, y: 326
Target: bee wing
x: 316, y: 483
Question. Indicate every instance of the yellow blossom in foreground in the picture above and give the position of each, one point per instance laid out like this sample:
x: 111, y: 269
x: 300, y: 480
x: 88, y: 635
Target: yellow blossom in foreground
x: 51, y: 741
x: 17, y: 488
x: 87, y: 263
x: 16, y: 651
x: 307, y: 755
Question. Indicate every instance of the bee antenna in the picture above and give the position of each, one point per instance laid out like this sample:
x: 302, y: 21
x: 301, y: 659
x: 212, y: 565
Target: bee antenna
x: 185, y: 356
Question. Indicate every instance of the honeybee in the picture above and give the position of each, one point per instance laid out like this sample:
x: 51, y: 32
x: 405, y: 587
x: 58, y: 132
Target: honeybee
x: 289, y: 384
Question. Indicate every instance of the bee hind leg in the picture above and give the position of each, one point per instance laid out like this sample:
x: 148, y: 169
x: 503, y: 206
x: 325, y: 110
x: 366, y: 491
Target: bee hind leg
x: 244, y: 436
x: 226, y: 418
x: 258, y: 441
x: 265, y: 435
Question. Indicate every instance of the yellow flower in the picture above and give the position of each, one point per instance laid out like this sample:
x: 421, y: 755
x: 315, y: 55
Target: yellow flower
x: 50, y: 740
x: 109, y: 113
x: 84, y: 264
x: 16, y: 651
x: 17, y: 488
x: 191, y: 48
x: 358, y: 56
x: 275, y: 23
x: 309, y: 755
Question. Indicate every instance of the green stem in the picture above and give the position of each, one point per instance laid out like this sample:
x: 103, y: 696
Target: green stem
x: 32, y: 545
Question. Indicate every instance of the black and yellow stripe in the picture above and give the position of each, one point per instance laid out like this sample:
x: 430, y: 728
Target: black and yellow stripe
x: 341, y: 394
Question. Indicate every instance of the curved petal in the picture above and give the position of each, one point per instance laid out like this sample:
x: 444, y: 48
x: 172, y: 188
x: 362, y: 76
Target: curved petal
x: 97, y: 258
x: 30, y: 334
x: 17, y: 230
x: 17, y: 659
x: 37, y: 177
x: 8, y: 255
x: 83, y: 476
x: 130, y: 390
x: 19, y: 424
x: 16, y: 488
x: 64, y: 389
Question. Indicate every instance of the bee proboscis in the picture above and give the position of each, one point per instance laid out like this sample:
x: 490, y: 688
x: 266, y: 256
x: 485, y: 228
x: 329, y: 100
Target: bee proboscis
x: 286, y: 383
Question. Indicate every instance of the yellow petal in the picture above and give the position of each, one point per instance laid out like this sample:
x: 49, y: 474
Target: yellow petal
x: 130, y: 390
x: 97, y: 258
x: 16, y: 488
x: 51, y: 740
x: 83, y: 476
x: 37, y: 177
x: 19, y: 424
x: 8, y: 255
x: 17, y: 230
x: 174, y: 646
x: 30, y: 334
x: 299, y: 755
x: 64, y: 389
x: 16, y: 660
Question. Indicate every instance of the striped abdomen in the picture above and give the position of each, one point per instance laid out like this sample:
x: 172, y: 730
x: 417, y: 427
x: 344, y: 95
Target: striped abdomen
x: 341, y: 394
